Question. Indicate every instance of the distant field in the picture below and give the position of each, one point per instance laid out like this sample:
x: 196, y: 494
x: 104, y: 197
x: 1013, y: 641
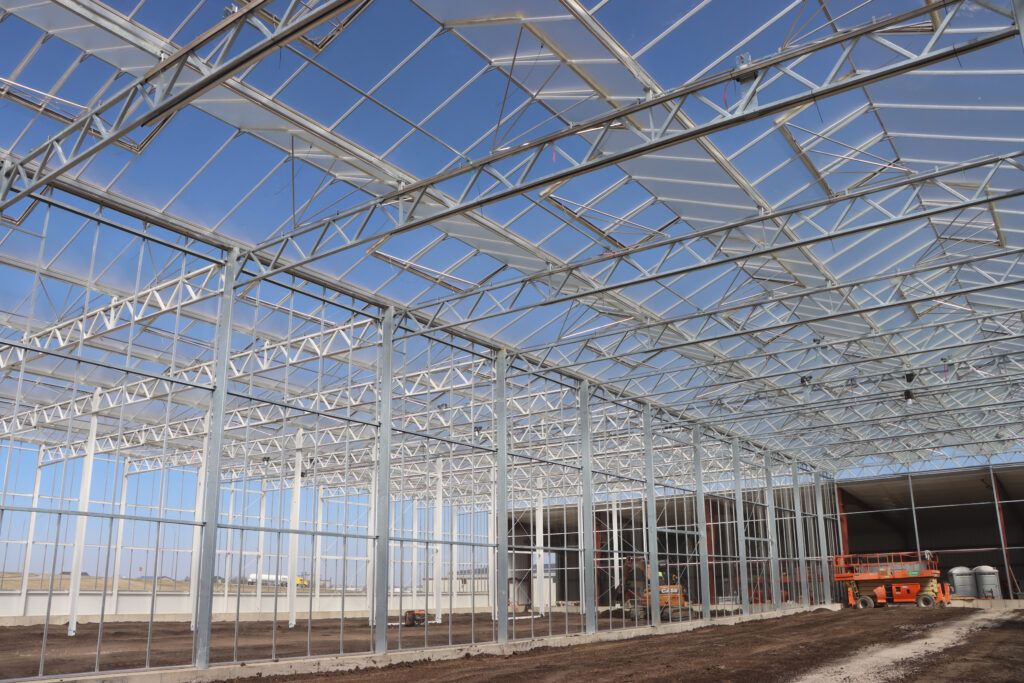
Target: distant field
x: 11, y: 581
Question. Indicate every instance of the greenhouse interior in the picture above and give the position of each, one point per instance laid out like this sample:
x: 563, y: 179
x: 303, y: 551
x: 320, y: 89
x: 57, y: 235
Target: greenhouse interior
x: 343, y: 327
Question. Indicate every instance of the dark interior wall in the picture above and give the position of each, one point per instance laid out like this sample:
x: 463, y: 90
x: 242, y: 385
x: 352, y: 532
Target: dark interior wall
x: 960, y: 528
x: 963, y: 536
x: 875, y: 532
x: 1013, y: 521
x: 958, y: 522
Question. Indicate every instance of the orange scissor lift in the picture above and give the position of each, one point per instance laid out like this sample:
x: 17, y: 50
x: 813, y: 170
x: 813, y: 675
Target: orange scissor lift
x: 891, y: 578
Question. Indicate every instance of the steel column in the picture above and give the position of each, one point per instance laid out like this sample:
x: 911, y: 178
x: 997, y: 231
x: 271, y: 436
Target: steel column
x: 371, y: 548
x: 84, y: 492
x: 119, y: 542
x: 615, y: 545
x: 23, y: 597
x: 741, y: 528
x: 844, y: 533
x: 1002, y: 532
x: 492, y: 546
x: 801, y: 549
x: 913, y: 512
x: 414, y: 560
x: 197, y: 536
x: 261, y: 549
x: 538, y: 600
x: 773, y: 533
x: 438, y: 532
x: 650, y: 505
x: 826, y: 593
x: 702, y: 523
x: 382, y: 494
x: 318, y: 549
x: 229, y: 537
x: 501, y: 493
x: 579, y: 561
x: 211, y: 484
x: 589, y: 577
x: 293, y: 524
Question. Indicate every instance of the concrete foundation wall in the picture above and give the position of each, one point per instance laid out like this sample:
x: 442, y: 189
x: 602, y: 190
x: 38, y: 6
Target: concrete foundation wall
x: 135, y: 607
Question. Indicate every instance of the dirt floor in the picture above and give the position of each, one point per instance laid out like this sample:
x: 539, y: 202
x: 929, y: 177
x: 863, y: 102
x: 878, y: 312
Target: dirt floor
x: 770, y: 650
x: 124, y: 644
x: 994, y: 654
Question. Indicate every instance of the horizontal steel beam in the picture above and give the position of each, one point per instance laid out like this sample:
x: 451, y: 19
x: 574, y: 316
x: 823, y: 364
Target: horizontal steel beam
x: 160, y: 91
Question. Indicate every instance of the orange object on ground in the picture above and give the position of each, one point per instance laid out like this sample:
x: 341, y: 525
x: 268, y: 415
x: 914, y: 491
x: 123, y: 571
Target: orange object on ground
x: 415, y: 617
x: 636, y: 592
x: 882, y: 578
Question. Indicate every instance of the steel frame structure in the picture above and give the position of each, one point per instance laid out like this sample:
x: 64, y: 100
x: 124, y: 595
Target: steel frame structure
x: 399, y: 346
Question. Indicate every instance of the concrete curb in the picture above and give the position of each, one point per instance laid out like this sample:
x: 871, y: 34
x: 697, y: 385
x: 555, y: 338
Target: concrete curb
x: 314, y: 665
x: 978, y: 603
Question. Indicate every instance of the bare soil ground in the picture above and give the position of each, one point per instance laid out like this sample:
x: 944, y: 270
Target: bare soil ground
x: 770, y: 650
x: 891, y: 661
x: 993, y: 654
x: 124, y: 645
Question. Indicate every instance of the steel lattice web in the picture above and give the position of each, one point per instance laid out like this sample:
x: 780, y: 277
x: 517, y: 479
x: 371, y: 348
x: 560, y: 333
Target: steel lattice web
x: 797, y: 229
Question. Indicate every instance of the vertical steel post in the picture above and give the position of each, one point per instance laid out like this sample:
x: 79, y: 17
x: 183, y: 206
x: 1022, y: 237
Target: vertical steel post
x: 295, y: 510
x: 491, y: 553
x: 702, y: 523
x: 230, y: 535
x: 801, y: 549
x: 119, y: 541
x: 913, y: 511
x: 318, y: 551
x: 538, y: 600
x: 197, y: 536
x: 84, y: 490
x: 1002, y: 531
x: 844, y: 541
x: 397, y: 563
x: 261, y: 548
x: 415, y: 559
x: 587, y: 527
x: 826, y: 593
x: 615, y: 546
x: 382, y: 495
x: 651, y: 523
x: 29, y: 542
x: 211, y: 485
x: 579, y: 561
x: 438, y: 535
x: 741, y: 529
x: 501, y: 493
x: 371, y: 548
x: 773, y: 533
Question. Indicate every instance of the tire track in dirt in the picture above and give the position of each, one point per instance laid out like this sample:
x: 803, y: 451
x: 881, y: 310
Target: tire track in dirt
x: 882, y: 663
